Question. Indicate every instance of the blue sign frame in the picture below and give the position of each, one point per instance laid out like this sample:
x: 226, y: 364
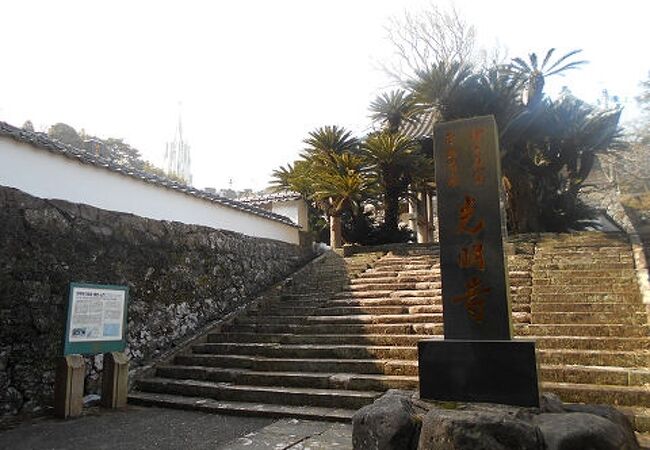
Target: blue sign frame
x: 93, y: 347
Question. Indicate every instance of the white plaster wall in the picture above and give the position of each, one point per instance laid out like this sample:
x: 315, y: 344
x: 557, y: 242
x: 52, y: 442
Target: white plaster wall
x: 296, y: 210
x: 47, y: 175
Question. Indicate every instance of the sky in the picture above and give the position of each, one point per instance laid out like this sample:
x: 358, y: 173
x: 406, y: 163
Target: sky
x: 251, y: 78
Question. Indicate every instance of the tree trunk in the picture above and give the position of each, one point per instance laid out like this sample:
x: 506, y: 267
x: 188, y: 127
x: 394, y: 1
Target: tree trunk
x: 391, y: 212
x: 521, y: 207
x: 335, y: 232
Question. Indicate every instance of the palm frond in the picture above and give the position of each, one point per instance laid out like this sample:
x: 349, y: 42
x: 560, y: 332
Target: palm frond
x: 569, y: 66
x: 523, y: 65
x: 533, y: 60
x: 564, y: 58
x: 547, y: 58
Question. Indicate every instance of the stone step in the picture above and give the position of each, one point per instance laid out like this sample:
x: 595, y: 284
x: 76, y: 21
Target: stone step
x: 306, y: 351
x: 408, y: 340
x: 406, y: 328
x: 404, y: 264
x: 589, y: 246
x: 383, y: 301
x: 591, y: 342
x: 411, y: 261
x: 330, y: 398
x: 593, y: 252
x: 600, y: 307
x: 596, y: 283
x: 236, y: 354
x: 378, y: 382
x: 575, y: 260
x: 414, y: 259
x: 587, y: 297
x: 588, y: 318
x: 387, y: 293
x: 393, y: 307
x: 263, y: 364
x: 594, y: 357
x: 586, y: 289
x: 622, y: 376
x: 241, y: 408
x: 356, y: 310
x: 317, y: 380
x: 639, y: 417
x: 356, y: 319
x: 374, y: 272
x: 600, y: 394
x: 620, y: 330
x: 398, y: 285
x: 410, y: 318
x: 573, y: 265
x: 571, y: 275
x: 375, y: 279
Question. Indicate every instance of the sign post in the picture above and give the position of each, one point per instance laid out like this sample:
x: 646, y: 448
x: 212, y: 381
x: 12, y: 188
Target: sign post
x: 477, y: 360
x: 96, y: 323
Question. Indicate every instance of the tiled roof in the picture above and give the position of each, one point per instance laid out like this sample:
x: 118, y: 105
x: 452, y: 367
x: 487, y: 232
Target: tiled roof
x: 422, y: 127
x: 42, y: 141
x: 286, y: 196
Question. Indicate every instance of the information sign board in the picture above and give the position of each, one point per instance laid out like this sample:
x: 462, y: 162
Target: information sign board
x: 96, y: 319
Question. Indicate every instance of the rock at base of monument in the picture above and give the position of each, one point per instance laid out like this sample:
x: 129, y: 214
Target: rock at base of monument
x: 502, y: 372
x: 400, y: 421
x: 444, y: 429
x: 389, y: 423
x: 584, y: 431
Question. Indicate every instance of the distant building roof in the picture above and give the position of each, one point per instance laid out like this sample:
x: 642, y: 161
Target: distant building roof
x: 422, y: 127
x: 286, y: 196
x: 43, y: 141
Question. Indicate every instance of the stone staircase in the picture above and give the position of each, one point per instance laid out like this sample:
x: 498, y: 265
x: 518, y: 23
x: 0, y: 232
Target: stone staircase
x: 590, y: 324
x: 334, y: 343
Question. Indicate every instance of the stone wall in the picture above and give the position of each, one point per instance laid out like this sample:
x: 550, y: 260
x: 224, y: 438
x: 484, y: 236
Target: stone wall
x: 180, y: 277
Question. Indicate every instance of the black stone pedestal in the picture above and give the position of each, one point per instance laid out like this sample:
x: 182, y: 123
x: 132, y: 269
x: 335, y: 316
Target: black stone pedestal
x: 479, y: 371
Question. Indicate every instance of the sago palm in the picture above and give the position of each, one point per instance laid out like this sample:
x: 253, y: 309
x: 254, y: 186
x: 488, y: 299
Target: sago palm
x: 329, y: 140
x: 339, y: 182
x: 393, y: 109
x: 533, y: 75
x: 397, y: 162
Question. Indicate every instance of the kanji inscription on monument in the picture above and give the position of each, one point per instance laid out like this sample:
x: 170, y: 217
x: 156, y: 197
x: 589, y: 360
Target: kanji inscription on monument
x: 475, y: 287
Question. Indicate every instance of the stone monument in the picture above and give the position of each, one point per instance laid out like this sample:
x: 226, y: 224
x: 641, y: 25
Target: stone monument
x: 477, y: 361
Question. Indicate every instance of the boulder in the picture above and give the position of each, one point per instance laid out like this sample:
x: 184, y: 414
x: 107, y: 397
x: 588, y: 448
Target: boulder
x: 390, y: 423
x: 580, y: 430
x: 608, y: 412
x: 462, y: 429
x: 400, y: 420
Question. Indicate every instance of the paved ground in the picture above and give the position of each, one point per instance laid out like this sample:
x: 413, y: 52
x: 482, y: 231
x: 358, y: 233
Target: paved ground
x: 154, y: 428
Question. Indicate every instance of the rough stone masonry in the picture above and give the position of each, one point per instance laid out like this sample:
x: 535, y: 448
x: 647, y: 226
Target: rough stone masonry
x: 181, y: 278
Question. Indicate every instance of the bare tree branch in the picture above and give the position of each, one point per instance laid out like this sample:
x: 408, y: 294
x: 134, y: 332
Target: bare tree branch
x: 427, y: 37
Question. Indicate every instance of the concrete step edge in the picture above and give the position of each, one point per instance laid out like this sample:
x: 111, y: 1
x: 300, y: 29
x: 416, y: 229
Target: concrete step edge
x: 241, y: 408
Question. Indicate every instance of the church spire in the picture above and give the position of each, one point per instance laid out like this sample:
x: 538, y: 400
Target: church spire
x: 177, y: 155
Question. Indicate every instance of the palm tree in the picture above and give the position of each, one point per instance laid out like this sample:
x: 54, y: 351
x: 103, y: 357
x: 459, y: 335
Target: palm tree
x: 296, y: 177
x: 533, y: 76
x: 330, y: 173
x: 339, y: 184
x: 441, y: 87
x: 396, y: 161
x: 547, y: 147
x: 329, y: 140
x: 393, y: 109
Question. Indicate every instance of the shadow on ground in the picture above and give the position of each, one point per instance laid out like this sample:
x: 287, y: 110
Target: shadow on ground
x: 135, y: 428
